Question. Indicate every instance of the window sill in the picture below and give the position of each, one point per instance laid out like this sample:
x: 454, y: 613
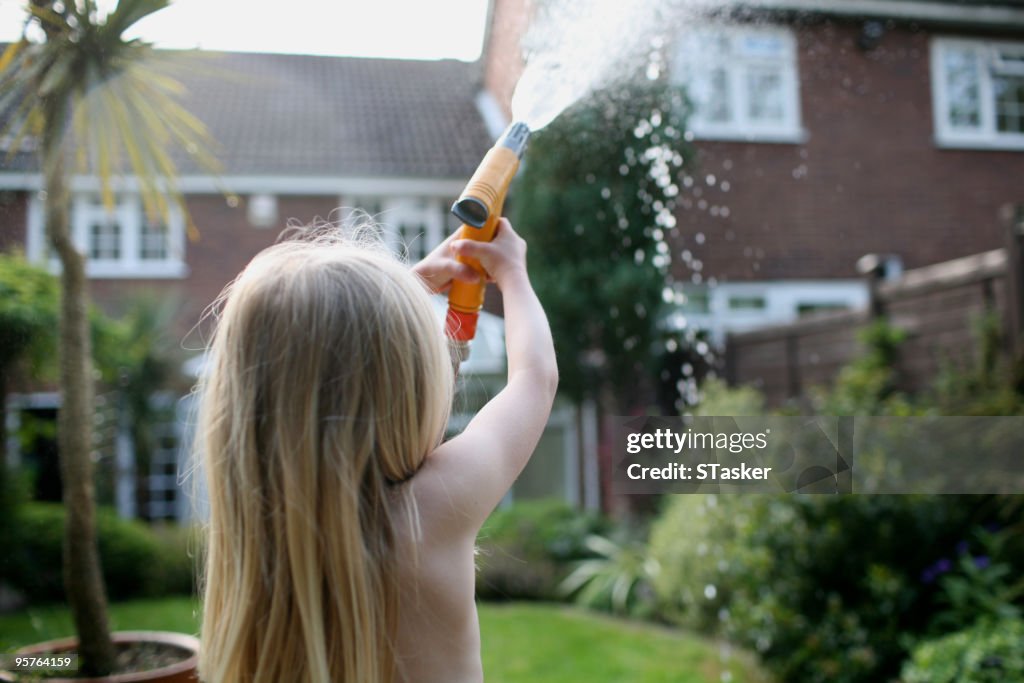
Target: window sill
x: 796, y: 137
x: 155, y: 271
x: 1014, y: 144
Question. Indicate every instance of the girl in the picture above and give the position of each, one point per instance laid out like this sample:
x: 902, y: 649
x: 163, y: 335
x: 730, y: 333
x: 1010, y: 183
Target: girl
x: 342, y: 530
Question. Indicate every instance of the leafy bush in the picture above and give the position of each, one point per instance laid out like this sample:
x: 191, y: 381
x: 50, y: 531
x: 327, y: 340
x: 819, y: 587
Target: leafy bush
x: 988, y: 652
x: 179, y: 559
x: 618, y: 579
x: 825, y: 588
x: 977, y: 587
x: 526, y: 549
x: 135, y: 561
x: 867, y: 386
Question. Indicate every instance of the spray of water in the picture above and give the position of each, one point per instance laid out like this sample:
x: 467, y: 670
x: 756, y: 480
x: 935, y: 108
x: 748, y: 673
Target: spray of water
x: 574, y: 48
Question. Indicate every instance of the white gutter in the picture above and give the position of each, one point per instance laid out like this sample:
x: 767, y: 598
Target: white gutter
x: 253, y: 184
x: 907, y: 10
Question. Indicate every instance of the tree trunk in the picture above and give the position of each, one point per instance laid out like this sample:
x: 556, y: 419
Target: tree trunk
x: 83, y: 580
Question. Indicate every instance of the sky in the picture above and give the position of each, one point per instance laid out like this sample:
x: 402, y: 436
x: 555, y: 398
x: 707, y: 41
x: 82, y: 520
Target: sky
x: 407, y: 29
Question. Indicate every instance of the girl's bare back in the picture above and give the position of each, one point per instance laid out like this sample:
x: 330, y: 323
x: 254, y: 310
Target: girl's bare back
x: 465, y: 478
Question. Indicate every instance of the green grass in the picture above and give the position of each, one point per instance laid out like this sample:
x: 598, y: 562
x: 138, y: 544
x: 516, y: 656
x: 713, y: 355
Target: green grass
x: 522, y: 643
x: 534, y: 643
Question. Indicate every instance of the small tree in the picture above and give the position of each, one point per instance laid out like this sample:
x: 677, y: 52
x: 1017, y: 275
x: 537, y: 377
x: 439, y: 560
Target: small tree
x: 102, y: 105
x: 596, y: 203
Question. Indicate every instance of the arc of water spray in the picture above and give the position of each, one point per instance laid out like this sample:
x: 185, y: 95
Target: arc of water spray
x: 576, y: 47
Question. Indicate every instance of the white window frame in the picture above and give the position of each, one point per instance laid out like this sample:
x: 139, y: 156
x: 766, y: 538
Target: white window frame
x: 984, y: 135
x: 130, y: 216
x: 789, y: 129
x: 390, y: 211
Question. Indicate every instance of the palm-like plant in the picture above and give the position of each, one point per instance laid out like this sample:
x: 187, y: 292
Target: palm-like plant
x: 102, y: 105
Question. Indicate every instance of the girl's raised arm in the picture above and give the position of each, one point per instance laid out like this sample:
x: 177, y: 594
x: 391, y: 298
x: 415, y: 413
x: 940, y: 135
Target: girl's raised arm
x: 477, y: 467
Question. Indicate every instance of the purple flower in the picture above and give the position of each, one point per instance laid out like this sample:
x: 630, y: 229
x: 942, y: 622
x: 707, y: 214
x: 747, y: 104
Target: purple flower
x: 936, y: 570
x: 982, y: 561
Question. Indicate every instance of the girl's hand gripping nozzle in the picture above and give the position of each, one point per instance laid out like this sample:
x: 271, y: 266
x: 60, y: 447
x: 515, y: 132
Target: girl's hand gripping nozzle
x: 479, y: 208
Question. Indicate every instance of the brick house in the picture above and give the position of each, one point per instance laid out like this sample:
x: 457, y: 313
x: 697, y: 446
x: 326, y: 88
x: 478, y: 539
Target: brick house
x: 299, y: 137
x: 825, y: 131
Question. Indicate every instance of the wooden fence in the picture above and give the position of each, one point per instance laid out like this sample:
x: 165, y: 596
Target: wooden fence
x: 940, y: 308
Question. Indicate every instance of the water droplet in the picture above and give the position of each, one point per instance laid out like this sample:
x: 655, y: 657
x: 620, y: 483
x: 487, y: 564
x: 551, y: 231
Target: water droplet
x: 606, y: 193
x: 702, y: 204
x: 711, y: 180
x: 699, y: 237
x: 671, y: 345
x: 726, y: 186
x: 710, y: 591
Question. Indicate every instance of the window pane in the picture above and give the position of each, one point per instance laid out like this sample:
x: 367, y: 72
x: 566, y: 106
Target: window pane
x: 414, y: 237
x: 1009, y: 91
x: 105, y: 240
x: 754, y: 45
x: 153, y: 241
x: 964, y: 100
x: 764, y: 92
x: 715, y: 105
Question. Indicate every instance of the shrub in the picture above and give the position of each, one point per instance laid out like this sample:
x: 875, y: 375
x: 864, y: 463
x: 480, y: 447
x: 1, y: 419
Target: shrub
x: 179, y: 559
x: 617, y: 579
x: 825, y: 588
x: 988, y: 652
x: 526, y: 549
x: 135, y: 560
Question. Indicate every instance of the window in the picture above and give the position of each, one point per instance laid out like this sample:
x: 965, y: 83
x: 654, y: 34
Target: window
x: 412, y: 225
x: 812, y: 308
x: 747, y: 303
x: 120, y: 242
x: 153, y: 240
x: 978, y: 93
x: 742, y: 82
x: 104, y: 238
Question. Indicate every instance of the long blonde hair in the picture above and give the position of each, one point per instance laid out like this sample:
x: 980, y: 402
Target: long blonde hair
x: 330, y: 383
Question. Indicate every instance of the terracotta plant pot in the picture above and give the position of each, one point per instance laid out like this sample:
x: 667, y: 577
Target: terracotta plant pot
x: 179, y: 672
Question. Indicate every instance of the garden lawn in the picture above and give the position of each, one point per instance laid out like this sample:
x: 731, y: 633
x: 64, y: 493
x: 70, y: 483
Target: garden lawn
x: 522, y: 643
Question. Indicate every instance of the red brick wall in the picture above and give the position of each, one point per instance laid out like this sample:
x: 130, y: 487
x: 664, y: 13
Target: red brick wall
x: 226, y: 243
x: 869, y: 177
x: 503, y: 63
